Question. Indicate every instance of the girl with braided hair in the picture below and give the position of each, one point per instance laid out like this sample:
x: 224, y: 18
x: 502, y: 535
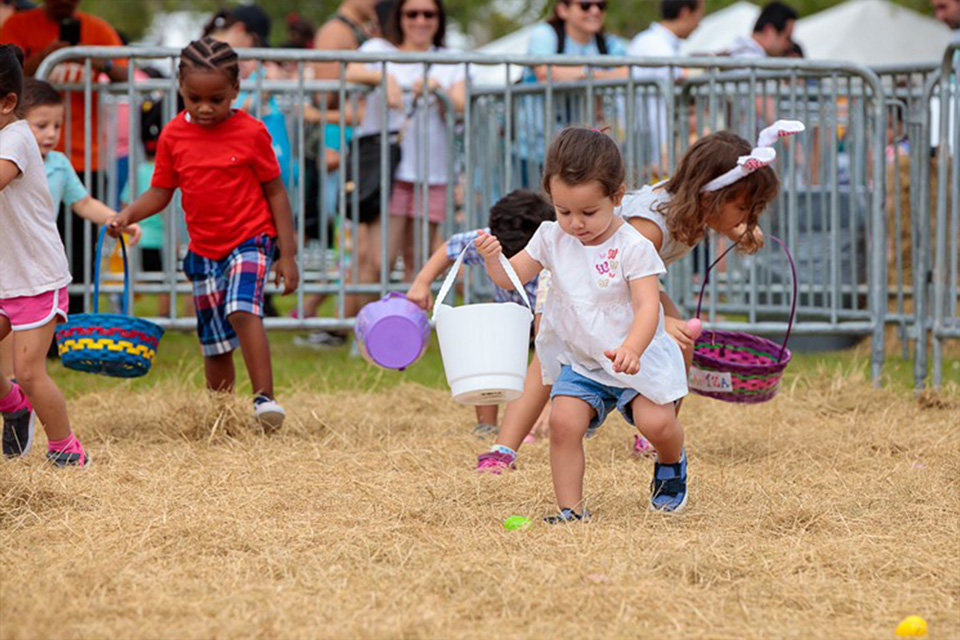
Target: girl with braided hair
x: 237, y: 213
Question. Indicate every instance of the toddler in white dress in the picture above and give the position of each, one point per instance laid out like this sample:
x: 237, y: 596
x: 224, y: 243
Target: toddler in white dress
x: 602, y: 342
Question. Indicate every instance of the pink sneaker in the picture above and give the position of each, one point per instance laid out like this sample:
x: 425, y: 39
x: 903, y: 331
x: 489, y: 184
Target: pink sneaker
x: 642, y: 448
x: 495, y: 462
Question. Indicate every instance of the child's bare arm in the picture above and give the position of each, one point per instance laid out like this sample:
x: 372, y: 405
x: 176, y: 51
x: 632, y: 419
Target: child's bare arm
x: 153, y: 200
x: 419, y: 292
x: 8, y: 172
x: 89, y: 208
x: 645, y: 295
x: 276, y: 195
x: 526, y: 267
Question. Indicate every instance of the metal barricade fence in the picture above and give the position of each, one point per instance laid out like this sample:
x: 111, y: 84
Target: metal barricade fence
x: 946, y: 271
x: 830, y: 211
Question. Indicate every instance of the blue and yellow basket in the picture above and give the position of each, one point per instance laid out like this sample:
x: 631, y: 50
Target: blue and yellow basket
x: 110, y: 344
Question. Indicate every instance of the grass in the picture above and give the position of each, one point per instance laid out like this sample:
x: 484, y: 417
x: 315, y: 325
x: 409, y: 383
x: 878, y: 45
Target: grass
x: 334, y: 370
x: 831, y: 512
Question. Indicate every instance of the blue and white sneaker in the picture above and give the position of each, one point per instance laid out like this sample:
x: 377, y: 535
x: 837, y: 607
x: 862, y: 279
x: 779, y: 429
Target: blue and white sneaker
x: 269, y: 413
x: 668, y: 490
x: 567, y: 516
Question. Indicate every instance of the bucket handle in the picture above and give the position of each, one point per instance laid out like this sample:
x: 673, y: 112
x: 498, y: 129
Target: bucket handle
x: 793, y: 304
x: 96, y: 273
x: 455, y: 269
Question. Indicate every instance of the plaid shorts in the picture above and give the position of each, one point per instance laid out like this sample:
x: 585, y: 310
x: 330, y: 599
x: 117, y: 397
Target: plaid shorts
x: 222, y: 287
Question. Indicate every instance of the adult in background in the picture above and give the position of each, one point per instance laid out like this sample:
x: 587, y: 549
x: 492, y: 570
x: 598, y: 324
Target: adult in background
x: 40, y: 32
x: 678, y: 19
x: 772, y: 33
x: 354, y: 23
x: 300, y: 32
x: 574, y: 29
x: 10, y: 7
x: 948, y: 12
x: 415, y: 26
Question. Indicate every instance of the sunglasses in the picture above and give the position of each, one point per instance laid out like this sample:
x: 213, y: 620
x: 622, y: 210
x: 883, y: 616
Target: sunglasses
x: 586, y: 6
x: 413, y: 14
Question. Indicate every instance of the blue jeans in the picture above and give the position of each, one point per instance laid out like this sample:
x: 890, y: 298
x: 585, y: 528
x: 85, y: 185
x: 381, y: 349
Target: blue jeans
x: 600, y: 397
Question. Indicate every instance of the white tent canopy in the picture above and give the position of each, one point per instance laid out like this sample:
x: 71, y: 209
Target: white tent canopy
x: 515, y: 43
x: 718, y: 30
x: 872, y: 32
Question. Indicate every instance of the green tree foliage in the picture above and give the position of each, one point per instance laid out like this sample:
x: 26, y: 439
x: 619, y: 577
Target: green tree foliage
x: 625, y: 17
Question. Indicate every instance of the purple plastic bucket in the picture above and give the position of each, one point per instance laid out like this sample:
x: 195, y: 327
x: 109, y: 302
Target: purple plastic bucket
x: 392, y: 332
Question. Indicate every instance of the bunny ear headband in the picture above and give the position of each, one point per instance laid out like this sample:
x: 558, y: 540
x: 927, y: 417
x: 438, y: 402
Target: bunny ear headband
x: 762, y: 155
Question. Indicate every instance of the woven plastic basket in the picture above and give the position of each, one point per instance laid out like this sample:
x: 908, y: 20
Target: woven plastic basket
x: 740, y: 367
x: 110, y: 344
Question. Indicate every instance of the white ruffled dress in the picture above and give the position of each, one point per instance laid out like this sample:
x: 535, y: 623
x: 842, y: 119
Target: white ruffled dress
x: 589, y: 311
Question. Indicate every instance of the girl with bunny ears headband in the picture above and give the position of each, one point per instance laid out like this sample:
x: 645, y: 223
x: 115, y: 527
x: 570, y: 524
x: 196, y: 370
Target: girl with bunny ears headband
x: 724, y: 184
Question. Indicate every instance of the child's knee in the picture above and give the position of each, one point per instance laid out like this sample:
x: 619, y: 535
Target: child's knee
x: 657, y: 425
x: 244, y: 319
x: 565, y: 427
x: 29, y: 375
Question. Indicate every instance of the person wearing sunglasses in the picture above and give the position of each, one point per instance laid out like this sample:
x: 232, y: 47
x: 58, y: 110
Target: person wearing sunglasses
x: 574, y: 29
x: 414, y: 26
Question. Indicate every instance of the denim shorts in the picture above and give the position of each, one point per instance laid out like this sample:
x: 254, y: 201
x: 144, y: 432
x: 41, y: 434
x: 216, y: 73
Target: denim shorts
x: 600, y: 397
x: 222, y: 287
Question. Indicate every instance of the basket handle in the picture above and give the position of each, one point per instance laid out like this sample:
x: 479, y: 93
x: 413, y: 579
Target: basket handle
x: 96, y: 276
x: 455, y: 269
x: 793, y: 304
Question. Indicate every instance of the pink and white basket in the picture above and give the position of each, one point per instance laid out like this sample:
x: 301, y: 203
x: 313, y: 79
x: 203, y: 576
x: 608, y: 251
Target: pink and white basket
x: 740, y: 367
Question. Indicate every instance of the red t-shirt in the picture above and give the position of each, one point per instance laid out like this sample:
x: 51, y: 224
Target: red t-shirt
x: 220, y: 171
x: 32, y: 31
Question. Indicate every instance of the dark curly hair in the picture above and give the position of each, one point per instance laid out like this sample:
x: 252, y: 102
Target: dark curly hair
x: 516, y: 217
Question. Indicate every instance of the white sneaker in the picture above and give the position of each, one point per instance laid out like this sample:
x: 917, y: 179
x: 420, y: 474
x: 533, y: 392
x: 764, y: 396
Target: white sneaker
x: 269, y: 413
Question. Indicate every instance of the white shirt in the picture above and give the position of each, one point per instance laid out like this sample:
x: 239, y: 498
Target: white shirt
x: 446, y: 75
x: 656, y: 41
x: 590, y: 310
x: 645, y: 204
x: 32, y: 260
x: 746, y: 47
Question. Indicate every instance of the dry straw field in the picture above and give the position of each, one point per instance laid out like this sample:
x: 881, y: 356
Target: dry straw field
x: 831, y: 512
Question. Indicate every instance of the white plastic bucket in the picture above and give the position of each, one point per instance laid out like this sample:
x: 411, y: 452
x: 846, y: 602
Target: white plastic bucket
x: 484, y: 346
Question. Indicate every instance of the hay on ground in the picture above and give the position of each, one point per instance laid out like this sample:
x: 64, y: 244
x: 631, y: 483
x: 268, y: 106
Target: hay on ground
x: 831, y: 512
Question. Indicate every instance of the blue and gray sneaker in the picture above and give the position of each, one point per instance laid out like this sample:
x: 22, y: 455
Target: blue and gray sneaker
x: 668, y: 490
x: 567, y: 516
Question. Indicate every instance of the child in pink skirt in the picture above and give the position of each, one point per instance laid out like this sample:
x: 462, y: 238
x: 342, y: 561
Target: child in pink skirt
x: 33, y: 282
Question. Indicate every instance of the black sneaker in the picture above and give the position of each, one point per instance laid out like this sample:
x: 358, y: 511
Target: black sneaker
x: 18, y: 432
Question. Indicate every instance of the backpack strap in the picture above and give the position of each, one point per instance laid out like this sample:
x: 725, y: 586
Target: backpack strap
x: 601, y: 39
x: 561, y: 31
x: 358, y: 31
